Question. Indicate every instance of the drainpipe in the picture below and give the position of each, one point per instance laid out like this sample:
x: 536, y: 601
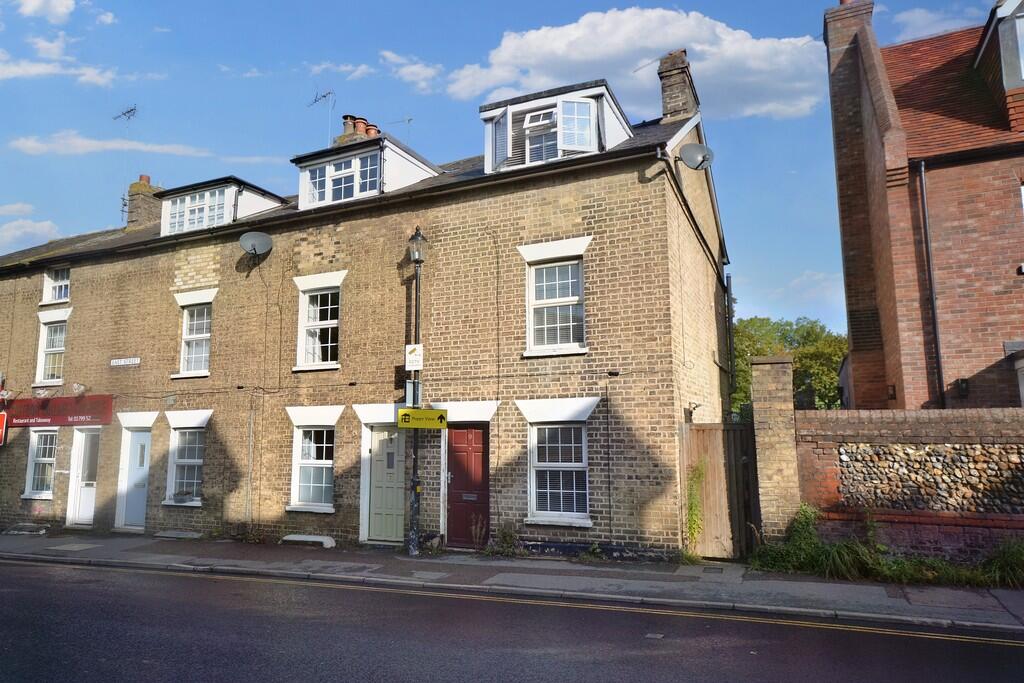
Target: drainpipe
x: 931, y: 283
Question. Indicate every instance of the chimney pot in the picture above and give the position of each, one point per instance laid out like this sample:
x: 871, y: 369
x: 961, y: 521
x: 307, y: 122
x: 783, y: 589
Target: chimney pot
x: 143, y: 178
x: 372, y: 130
x: 348, y: 124
x: 360, y: 125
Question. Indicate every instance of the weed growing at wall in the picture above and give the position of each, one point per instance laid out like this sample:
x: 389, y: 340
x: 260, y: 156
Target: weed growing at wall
x: 694, y: 505
x: 855, y: 559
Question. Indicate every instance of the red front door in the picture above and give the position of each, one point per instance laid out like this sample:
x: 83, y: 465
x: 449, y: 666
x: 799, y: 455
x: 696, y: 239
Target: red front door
x: 469, y: 500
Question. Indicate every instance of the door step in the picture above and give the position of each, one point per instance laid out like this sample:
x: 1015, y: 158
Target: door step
x: 304, y: 539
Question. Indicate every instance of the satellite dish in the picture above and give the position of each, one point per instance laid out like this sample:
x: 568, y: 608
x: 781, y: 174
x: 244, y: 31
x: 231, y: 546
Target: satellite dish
x: 697, y: 157
x: 255, y: 243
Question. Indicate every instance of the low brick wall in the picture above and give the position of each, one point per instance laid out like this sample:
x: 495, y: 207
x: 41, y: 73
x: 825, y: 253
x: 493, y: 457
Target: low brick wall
x: 932, y: 482
x: 935, y: 482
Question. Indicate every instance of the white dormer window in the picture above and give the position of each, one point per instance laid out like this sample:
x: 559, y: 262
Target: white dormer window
x: 344, y: 179
x: 540, y: 118
x: 500, y: 139
x: 577, y: 127
x: 542, y: 147
x: 57, y: 285
x: 196, y: 211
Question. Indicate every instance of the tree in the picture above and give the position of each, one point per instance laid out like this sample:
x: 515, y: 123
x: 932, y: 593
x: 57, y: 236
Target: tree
x: 817, y: 353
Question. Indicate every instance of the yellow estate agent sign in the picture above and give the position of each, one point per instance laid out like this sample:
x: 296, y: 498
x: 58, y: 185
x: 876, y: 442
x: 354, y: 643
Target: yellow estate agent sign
x: 418, y: 418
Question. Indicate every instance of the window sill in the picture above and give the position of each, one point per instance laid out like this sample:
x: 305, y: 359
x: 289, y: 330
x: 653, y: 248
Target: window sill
x: 556, y: 351
x: 190, y: 375
x: 582, y: 522
x: 316, y: 366
x: 320, y: 509
x: 190, y: 504
x: 37, y: 496
x: 55, y: 301
x: 48, y: 383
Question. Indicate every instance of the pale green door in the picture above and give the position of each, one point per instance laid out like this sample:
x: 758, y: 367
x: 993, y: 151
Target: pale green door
x: 387, y: 487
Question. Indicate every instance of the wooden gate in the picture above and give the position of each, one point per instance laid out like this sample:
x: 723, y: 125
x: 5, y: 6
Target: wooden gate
x: 725, y: 453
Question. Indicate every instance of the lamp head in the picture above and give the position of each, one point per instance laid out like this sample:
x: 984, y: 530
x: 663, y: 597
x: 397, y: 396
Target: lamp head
x: 417, y: 247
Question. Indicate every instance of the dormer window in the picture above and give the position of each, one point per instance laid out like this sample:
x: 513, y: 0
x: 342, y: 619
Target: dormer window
x: 344, y: 179
x: 552, y: 125
x: 197, y: 211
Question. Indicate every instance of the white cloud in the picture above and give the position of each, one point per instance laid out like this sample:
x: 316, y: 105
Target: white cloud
x: 254, y: 73
x: 354, y: 71
x: 24, y: 229
x: 735, y: 73
x: 16, y: 209
x: 51, y: 49
x: 412, y: 70
x: 146, y: 76
x: 106, y: 18
x: 73, y: 143
x: 54, y: 11
x: 920, y: 22
x: 224, y: 68
x: 70, y: 142
x: 161, y: 29
x: 83, y: 73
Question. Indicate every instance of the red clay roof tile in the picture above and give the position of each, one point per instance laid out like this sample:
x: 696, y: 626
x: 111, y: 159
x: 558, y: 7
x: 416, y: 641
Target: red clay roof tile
x: 944, y: 104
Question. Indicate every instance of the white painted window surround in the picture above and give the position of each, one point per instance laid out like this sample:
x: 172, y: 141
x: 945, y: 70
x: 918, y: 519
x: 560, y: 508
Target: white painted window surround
x: 558, y: 478
x: 187, y: 419
x: 313, y: 448
x: 52, y: 345
x: 56, y: 285
x: 184, y: 450
x: 555, y: 318
x: 143, y: 420
x: 196, y: 329
x: 467, y: 411
x: 318, y: 335
x: 42, y: 461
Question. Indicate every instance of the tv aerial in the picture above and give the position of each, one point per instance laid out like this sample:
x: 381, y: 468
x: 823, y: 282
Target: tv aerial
x: 697, y: 157
x: 256, y: 243
x: 128, y: 114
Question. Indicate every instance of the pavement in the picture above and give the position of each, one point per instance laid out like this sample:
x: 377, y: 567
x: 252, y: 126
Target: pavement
x: 712, y: 585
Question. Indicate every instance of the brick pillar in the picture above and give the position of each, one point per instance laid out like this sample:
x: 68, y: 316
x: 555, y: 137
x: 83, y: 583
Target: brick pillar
x: 143, y: 207
x: 775, y: 436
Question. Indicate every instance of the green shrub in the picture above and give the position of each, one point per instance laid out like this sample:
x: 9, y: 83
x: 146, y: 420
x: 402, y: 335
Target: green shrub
x: 853, y: 560
x: 694, y: 505
x: 1006, y: 565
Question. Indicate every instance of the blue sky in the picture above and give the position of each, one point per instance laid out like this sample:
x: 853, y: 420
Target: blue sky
x: 224, y: 87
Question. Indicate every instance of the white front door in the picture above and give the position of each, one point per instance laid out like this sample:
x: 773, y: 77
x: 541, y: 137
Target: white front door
x: 137, y: 481
x: 85, y: 453
x: 387, y: 486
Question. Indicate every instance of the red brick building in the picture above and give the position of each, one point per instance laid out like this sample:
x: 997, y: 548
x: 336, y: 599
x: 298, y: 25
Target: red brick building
x: 929, y: 143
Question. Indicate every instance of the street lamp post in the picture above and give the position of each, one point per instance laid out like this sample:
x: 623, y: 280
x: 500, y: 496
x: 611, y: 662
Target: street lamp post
x: 417, y: 254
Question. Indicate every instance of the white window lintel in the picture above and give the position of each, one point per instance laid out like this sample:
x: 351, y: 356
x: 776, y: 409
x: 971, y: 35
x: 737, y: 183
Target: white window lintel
x: 195, y: 297
x: 468, y: 411
x: 307, y: 283
x: 541, y: 410
x: 558, y: 249
x: 377, y: 413
x: 314, y: 416
x: 142, y: 420
x: 188, y: 419
x: 56, y: 315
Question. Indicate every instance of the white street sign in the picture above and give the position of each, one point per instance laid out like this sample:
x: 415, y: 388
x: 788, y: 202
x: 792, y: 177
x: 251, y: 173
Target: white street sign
x: 413, y: 357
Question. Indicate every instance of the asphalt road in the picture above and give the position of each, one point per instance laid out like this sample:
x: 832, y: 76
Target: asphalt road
x: 59, y: 622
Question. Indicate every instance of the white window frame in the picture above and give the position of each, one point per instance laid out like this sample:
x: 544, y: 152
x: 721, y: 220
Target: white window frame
x: 173, y: 461
x: 57, y: 316
x: 179, y: 420
x: 562, y: 144
x: 542, y: 123
x: 188, y: 301
x: 33, y: 458
x: 551, y: 253
x: 533, y: 303
x: 501, y: 141
x: 51, y: 282
x: 354, y: 166
x: 309, y: 285
x: 311, y: 418
x: 544, y: 516
x: 543, y: 132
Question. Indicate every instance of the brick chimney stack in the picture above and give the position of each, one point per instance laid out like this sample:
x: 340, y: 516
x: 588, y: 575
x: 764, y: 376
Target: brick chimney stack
x: 143, y: 207
x: 678, y: 97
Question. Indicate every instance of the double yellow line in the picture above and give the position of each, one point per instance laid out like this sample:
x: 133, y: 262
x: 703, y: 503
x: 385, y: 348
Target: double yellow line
x: 849, y: 628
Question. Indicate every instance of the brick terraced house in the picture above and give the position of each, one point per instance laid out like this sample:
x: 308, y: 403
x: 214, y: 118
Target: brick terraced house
x: 575, y: 314
x: 929, y: 144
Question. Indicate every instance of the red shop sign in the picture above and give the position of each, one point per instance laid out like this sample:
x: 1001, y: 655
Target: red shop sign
x: 3, y: 428
x: 62, y: 411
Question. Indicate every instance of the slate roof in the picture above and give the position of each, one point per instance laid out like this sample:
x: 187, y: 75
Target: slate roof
x: 468, y: 172
x: 216, y: 182
x: 944, y: 104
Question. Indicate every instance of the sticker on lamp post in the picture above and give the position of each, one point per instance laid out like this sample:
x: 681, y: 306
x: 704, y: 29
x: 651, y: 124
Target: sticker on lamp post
x: 419, y: 418
x: 413, y: 357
